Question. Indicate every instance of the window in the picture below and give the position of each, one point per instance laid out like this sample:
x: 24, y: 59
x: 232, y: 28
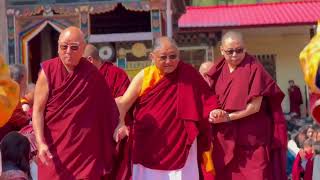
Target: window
x: 269, y: 63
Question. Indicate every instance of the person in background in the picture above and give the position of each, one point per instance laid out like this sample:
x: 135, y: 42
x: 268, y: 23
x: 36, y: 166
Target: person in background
x: 295, y: 99
x: 19, y: 118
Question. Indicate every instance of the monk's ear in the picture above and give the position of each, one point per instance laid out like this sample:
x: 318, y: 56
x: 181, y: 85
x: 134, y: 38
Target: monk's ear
x: 152, y: 57
x: 221, y: 50
x: 90, y: 59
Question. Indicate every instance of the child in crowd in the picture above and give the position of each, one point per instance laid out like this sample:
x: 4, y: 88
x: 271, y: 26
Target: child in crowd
x: 303, y: 164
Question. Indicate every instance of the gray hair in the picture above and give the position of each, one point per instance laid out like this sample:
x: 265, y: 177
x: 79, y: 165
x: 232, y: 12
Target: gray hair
x: 233, y: 35
x: 157, y: 43
x: 17, y: 72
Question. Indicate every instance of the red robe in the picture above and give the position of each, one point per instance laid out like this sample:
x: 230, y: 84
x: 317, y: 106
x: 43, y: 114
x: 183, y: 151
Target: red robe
x: 253, y: 147
x: 80, y: 117
x: 167, y: 119
x: 118, y: 82
x: 18, y: 120
x: 295, y: 98
x: 297, y: 169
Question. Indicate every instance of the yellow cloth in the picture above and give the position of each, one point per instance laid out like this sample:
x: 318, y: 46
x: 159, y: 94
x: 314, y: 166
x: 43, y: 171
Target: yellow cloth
x: 309, y: 60
x: 9, y: 93
x: 151, y: 77
x: 207, y: 161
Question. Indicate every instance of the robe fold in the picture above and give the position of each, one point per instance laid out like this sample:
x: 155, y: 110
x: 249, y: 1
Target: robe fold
x: 261, y: 136
x: 116, y: 78
x: 118, y: 82
x: 79, y: 120
x: 168, y: 117
x: 295, y: 98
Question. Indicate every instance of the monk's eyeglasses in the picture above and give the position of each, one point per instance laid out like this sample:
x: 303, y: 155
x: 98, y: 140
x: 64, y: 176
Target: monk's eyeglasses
x: 170, y: 57
x: 230, y: 52
x: 73, y: 47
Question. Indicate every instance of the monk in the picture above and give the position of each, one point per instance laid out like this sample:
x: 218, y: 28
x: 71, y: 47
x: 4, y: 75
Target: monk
x: 118, y: 82
x: 203, y: 69
x: 74, y: 114
x: 250, y: 143
x: 170, y: 125
x: 295, y: 99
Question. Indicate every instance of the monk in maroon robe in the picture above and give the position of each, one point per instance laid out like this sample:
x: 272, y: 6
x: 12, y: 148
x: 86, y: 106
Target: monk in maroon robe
x: 168, y: 117
x: 74, y: 115
x: 118, y: 82
x: 250, y: 143
x: 295, y: 98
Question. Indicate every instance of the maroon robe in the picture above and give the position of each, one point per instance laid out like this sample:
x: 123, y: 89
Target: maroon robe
x: 297, y: 170
x: 253, y: 147
x: 116, y: 78
x: 80, y: 117
x: 18, y: 120
x: 168, y: 117
x: 118, y: 82
x: 295, y: 98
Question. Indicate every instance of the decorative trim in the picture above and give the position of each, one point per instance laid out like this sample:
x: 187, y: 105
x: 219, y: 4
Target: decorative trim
x: 118, y: 37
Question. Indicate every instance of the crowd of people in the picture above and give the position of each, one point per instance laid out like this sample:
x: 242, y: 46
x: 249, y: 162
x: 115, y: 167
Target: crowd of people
x: 84, y: 119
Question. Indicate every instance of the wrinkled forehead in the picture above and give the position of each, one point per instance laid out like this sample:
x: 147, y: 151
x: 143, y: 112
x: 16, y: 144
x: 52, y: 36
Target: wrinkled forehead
x: 232, y: 41
x: 166, y: 50
x: 73, y: 38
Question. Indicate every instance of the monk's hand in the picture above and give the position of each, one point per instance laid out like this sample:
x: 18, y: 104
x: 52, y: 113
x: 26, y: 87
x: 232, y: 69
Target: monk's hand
x: 44, y: 154
x: 120, y: 132
x: 218, y: 116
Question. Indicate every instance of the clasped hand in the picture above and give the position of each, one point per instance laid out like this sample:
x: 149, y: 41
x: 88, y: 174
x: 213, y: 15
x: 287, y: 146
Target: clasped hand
x: 218, y: 116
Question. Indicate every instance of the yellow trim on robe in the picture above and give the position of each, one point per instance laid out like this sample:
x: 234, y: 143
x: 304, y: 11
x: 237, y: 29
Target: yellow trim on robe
x: 9, y: 93
x: 151, y: 77
x: 309, y: 60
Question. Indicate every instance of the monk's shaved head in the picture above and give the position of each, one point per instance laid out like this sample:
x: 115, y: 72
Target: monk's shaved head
x: 205, y: 67
x: 71, y: 46
x: 91, y: 50
x: 162, y: 42
x: 92, y: 55
x: 73, y: 32
x: 232, y: 35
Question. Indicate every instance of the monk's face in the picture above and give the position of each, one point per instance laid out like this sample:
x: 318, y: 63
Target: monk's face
x: 233, y: 51
x: 166, y: 58
x: 71, y: 47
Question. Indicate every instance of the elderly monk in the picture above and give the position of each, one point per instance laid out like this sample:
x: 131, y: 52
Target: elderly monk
x: 9, y: 93
x: 170, y: 125
x: 74, y: 114
x: 250, y: 143
x: 118, y: 82
x: 203, y: 69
